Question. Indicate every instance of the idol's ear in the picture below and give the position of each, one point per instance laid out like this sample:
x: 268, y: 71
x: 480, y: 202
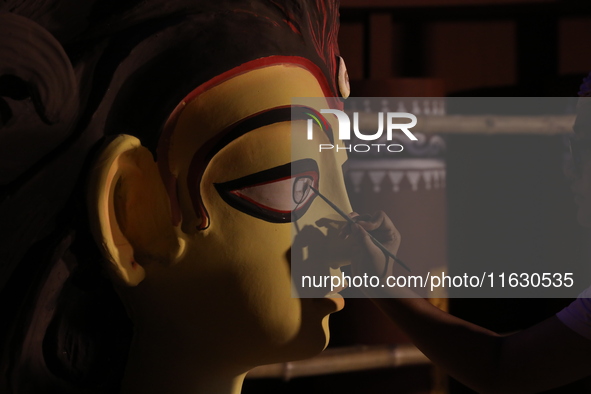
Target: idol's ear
x: 130, y: 211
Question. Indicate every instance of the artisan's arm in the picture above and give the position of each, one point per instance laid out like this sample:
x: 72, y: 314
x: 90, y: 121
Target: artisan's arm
x: 544, y: 356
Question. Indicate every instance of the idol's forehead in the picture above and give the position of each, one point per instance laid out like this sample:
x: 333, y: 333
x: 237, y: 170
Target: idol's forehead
x: 206, y: 119
x: 201, y: 117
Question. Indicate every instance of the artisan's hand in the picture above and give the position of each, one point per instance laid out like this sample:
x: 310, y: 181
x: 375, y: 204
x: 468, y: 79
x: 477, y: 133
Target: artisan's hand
x: 366, y: 257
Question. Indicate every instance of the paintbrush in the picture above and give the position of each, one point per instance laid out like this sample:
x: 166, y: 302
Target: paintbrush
x: 351, y: 221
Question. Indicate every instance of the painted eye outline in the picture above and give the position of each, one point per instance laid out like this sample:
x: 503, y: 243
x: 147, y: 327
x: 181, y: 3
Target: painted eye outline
x: 236, y: 192
x: 204, y: 155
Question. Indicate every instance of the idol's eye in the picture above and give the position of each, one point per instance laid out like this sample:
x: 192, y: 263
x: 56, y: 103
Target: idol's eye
x: 301, y: 188
x: 278, y: 195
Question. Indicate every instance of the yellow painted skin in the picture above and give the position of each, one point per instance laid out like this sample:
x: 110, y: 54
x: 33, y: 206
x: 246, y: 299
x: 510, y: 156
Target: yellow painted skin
x: 221, y: 302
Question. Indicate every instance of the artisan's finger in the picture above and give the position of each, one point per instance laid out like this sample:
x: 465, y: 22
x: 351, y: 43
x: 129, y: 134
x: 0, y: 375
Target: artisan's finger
x: 381, y: 223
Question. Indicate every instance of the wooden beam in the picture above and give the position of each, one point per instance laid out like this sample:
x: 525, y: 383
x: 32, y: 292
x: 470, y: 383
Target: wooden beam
x: 482, y: 124
x: 347, y: 359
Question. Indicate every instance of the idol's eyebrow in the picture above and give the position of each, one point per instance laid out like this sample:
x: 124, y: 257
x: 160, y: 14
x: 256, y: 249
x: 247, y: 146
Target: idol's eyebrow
x: 270, y: 116
x: 272, y: 174
x: 302, y: 112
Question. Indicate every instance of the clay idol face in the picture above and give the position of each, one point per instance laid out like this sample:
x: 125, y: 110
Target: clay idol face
x: 243, y: 198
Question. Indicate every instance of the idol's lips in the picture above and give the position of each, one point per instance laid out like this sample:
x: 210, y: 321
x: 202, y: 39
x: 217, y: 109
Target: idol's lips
x: 335, y: 292
x: 336, y: 298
